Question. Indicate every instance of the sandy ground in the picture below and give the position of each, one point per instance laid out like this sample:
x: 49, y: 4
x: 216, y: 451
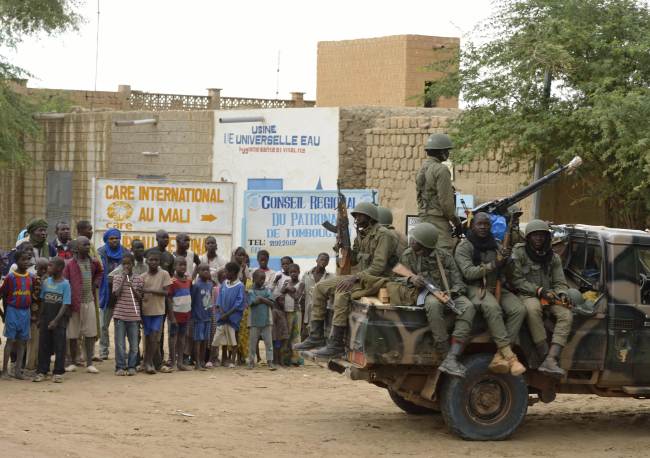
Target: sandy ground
x: 302, y: 411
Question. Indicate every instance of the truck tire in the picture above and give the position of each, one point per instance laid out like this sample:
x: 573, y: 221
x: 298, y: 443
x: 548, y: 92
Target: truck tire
x: 410, y: 407
x: 483, y: 406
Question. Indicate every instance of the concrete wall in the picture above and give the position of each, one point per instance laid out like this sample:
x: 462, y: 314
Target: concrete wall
x: 386, y: 71
x: 182, y: 139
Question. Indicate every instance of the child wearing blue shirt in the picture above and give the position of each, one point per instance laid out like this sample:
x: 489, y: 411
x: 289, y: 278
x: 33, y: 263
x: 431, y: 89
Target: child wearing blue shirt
x: 201, y: 313
x: 55, y: 299
x: 230, y: 308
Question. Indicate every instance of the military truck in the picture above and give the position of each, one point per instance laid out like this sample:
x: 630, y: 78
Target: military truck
x: 608, y: 352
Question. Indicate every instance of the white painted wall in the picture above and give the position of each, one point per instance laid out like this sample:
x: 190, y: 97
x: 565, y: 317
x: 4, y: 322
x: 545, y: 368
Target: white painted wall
x: 299, y: 170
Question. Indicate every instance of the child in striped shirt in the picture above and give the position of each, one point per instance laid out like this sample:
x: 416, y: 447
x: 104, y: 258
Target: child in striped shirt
x: 180, y: 296
x: 127, y: 290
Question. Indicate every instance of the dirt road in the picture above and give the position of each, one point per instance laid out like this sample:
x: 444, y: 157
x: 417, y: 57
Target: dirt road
x: 305, y: 411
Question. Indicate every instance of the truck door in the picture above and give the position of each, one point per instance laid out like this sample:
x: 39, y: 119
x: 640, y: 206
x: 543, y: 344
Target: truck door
x: 628, y: 353
x: 588, y: 341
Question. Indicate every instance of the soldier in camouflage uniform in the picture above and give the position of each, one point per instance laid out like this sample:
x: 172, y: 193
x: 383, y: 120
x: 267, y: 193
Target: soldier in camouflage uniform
x: 540, y: 282
x: 482, y: 261
x: 438, y: 267
x: 386, y: 220
x: 373, y: 252
x: 435, y: 193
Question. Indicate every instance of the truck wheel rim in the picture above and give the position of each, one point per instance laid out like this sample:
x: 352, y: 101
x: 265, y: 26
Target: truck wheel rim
x: 488, y: 401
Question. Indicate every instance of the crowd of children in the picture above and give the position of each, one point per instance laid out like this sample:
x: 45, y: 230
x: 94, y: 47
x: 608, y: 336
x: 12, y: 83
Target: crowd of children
x: 216, y: 312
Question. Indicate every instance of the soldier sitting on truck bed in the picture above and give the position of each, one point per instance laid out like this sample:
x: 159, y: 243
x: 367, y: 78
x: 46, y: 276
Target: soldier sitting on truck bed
x: 481, y: 261
x: 539, y: 280
x: 386, y: 220
x: 436, y: 266
x: 374, y: 252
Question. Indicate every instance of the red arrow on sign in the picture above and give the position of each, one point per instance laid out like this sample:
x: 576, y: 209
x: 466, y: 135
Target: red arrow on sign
x: 208, y: 218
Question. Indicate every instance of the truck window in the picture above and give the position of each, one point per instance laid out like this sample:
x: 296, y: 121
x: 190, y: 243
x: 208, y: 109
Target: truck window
x: 586, y: 260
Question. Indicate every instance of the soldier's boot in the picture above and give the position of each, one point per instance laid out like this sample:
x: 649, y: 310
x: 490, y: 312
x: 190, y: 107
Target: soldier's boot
x: 542, y: 350
x: 335, y: 344
x: 316, y: 337
x: 514, y: 366
x: 451, y: 365
x: 550, y: 365
x: 499, y: 365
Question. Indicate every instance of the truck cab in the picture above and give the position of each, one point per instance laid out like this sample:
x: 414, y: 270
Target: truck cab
x: 608, y: 352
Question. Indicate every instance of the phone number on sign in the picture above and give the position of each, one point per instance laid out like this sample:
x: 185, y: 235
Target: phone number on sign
x: 282, y: 242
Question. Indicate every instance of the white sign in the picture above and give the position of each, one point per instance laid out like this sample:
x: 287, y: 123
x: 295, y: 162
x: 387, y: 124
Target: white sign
x: 299, y: 146
x: 300, y: 131
x: 147, y: 205
x: 289, y: 223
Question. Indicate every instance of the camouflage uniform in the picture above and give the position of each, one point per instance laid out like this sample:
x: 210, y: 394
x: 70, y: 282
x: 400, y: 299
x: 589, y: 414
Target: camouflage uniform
x: 427, y: 267
x: 511, y: 305
x: 374, y: 253
x: 436, y: 202
x: 400, y: 240
x: 528, y: 277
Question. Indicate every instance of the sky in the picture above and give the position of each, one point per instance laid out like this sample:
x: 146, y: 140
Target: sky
x: 185, y: 47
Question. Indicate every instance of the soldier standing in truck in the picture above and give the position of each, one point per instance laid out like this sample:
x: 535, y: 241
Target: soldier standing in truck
x: 435, y: 193
x: 539, y: 280
x: 482, y: 261
x: 374, y: 251
x: 432, y: 264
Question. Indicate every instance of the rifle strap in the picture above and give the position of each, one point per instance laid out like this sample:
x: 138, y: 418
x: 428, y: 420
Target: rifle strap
x: 441, y: 268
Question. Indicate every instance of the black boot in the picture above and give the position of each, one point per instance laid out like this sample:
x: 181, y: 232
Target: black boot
x: 542, y: 350
x: 550, y: 365
x: 316, y: 337
x: 451, y: 365
x: 335, y: 345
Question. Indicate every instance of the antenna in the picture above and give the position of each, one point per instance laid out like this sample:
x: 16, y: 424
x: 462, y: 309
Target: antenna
x: 277, y: 80
x: 96, y: 55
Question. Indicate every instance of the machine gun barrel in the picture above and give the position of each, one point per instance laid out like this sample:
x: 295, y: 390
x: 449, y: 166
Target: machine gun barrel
x: 501, y: 206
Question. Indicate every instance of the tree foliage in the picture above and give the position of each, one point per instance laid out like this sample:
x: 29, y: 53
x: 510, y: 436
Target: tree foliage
x: 21, y: 19
x: 596, y: 55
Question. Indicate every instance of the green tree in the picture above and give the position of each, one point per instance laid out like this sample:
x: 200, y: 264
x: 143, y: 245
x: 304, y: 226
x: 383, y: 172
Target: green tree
x: 21, y: 19
x: 550, y: 79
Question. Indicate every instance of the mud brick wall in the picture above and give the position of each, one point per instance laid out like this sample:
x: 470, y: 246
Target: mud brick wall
x: 78, y: 143
x: 394, y: 155
x: 89, y: 145
x: 353, y: 141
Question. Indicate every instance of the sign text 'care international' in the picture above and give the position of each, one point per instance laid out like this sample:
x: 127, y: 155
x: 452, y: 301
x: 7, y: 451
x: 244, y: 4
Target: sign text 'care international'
x: 146, y: 206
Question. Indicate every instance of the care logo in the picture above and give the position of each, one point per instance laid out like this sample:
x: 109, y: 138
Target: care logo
x: 119, y: 211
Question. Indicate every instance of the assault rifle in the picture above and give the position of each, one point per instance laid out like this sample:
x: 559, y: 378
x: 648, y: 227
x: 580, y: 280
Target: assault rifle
x: 429, y: 288
x: 500, y: 206
x: 342, y: 231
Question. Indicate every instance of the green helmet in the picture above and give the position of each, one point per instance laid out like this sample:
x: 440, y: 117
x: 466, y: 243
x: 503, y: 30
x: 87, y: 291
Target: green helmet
x: 536, y: 225
x: 438, y: 141
x: 581, y: 306
x: 366, y: 208
x: 385, y: 216
x: 425, y: 234
x: 575, y: 296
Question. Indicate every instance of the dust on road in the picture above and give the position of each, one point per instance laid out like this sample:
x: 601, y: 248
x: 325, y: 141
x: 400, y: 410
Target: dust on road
x: 292, y: 412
